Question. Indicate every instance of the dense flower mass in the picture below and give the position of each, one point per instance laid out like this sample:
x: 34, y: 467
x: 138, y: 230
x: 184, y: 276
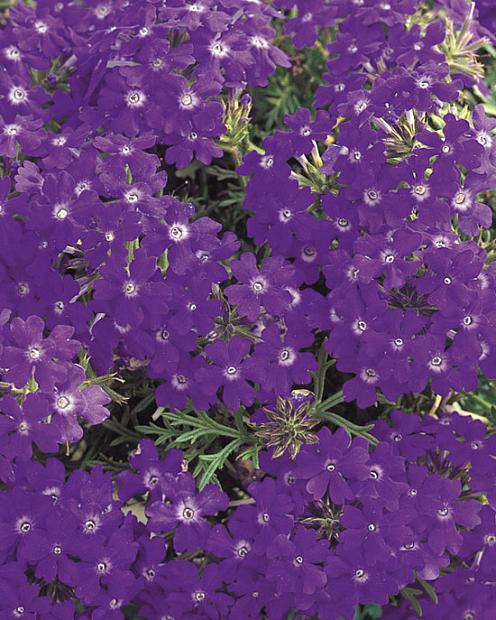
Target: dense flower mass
x: 160, y: 244
x: 339, y: 525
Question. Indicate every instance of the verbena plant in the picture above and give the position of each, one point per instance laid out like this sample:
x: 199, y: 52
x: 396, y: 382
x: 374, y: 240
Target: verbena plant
x: 248, y: 309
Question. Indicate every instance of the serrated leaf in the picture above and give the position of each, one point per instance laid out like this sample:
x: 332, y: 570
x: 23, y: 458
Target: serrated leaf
x: 216, y: 461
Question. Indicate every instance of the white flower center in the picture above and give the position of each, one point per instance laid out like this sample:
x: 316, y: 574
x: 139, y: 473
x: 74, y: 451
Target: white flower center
x: 63, y: 402
x: 420, y: 192
x: 437, y: 364
x: 360, y: 575
x: 372, y: 197
x: 369, y: 375
x: 130, y: 289
x: 178, y: 232
x: 285, y: 215
x: 17, y: 95
x: 461, y: 201
x: 188, y: 101
x: 34, y: 353
x: 423, y: 82
x: 135, y: 98
x: 11, y: 130
x: 287, y: 356
x: 81, y: 187
x: 23, y: 525
x: 259, y: 285
x: 259, y: 42
x: 60, y: 212
x: 102, y: 10
x: 485, y: 139
x: 40, y: 27
x: 231, y: 372
x: 218, y: 49
x: 12, y: 53
x: 132, y: 196
x: 179, y: 382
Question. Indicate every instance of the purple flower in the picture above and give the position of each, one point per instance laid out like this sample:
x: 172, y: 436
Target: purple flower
x: 185, y: 509
x: 234, y: 547
x: 297, y: 562
x: 355, y: 581
x: 338, y: 461
x: 25, y: 133
x: 70, y: 401
x: 442, y: 511
x: 150, y: 471
x: 127, y: 292
x: 384, y: 482
x: 21, y: 426
x: 372, y: 531
x: 279, y: 363
x: 259, y: 288
x: 22, y: 515
x: 50, y: 550
x: 229, y: 371
x: 104, y: 563
x: 18, y: 596
x: 270, y: 516
x: 29, y: 354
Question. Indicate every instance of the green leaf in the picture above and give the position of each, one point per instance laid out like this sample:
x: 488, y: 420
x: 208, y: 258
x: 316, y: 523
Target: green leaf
x: 410, y: 595
x: 196, y: 432
x: 320, y: 375
x: 368, y: 611
x: 428, y: 588
x: 216, y: 461
x: 350, y: 427
x: 251, y: 453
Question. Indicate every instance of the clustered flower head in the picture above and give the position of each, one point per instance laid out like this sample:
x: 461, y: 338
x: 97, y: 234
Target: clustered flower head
x: 140, y: 278
x: 365, y: 221
x: 339, y: 525
x: 393, y: 220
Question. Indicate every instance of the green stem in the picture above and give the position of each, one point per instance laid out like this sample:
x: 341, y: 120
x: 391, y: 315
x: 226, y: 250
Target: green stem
x: 481, y: 401
x: 328, y: 403
x: 350, y: 427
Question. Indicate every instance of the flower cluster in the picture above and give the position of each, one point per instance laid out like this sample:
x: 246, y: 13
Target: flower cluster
x: 339, y: 525
x: 47, y: 394
x: 397, y: 198
x: 390, y: 219
x: 106, y: 251
x: 363, y: 236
